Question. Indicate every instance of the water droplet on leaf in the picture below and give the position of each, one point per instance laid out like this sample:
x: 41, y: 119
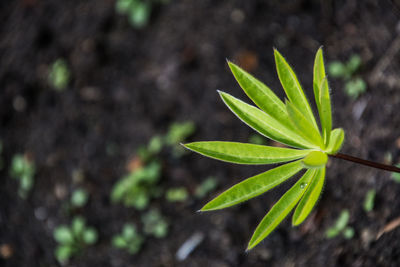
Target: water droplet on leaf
x: 303, y: 185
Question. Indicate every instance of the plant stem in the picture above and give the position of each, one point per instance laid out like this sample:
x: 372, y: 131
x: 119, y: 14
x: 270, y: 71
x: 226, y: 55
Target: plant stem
x: 367, y: 162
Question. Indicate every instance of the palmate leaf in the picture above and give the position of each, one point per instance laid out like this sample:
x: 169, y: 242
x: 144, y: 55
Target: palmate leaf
x: 322, y: 98
x: 253, y: 186
x: 310, y: 197
x: 292, y: 87
x: 304, y: 127
x: 261, y: 95
x: 263, y: 123
x: 242, y: 153
x: 336, y: 141
x: 293, y: 124
x: 315, y: 159
x: 281, y: 209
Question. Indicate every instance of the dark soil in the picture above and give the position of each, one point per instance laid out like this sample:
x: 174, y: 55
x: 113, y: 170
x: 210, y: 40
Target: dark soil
x: 128, y: 85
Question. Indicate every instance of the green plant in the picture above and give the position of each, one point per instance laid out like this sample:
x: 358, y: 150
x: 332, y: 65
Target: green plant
x: 257, y: 139
x: 140, y: 185
x: 369, y: 200
x: 205, y: 187
x: 354, y: 86
x: 138, y: 11
x: 177, y: 194
x: 23, y: 169
x: 137, y: 188
x: 291, y: 123
x: 341, y: 227
x: 59, y: 75
x: 73, y: 239
x: 177, y: 133
x: 79, y: 198
x: 154, y: 224
x: 129, y: 239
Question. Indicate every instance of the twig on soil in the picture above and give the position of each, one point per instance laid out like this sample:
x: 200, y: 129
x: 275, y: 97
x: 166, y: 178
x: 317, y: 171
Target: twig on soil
x: 388, y: 227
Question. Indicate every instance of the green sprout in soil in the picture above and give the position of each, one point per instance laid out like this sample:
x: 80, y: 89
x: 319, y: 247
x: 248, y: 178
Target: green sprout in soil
x: 23, y: 170
x: 73, y: 239
x: 205, y: 187
x: 341, y: 227
x: 257, y: 139
x: 79, y: 198
x: 138, y: 11
x: 155, y: 224
x: 369, y: 200
x: 59, y: 75
x: 137, y: 188
x: 177, y: 194
x: 291, y: 123
x: 354, y: 85
x: 129, y: 239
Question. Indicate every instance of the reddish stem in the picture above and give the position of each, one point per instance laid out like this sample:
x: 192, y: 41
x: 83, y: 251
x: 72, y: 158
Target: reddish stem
x: 367, y: 162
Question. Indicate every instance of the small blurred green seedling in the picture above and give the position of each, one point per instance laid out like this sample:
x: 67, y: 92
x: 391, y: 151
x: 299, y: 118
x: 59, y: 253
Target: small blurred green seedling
x: 292, y: 123
x: 73, y: 239
x: 129, y: 239
x: 79, y: 198
x: 396, y: 176
x: 354, y: 85
x: 206, y: 187
x: 154, y: 224
x: 177, y: 133
x: 23, y: 170
x: 137, y: 188
x: 369, y: 200
x: 257, y: 139
x: 341, y: 227
x: 176, y: 194
x: 138, y: 11
x: 59, y: 75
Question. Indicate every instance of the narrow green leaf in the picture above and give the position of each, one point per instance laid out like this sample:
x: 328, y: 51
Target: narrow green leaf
x: 325, y: 112
x: 292, y: 87
x: 315, y: 159
x: 303, y: 125
x: 310, y: 197
x: 253, y: 186
x: 264, y: 123
x: 281, y: 209
x: 321, y: 93
x: 261, y: 95
x: 245, y: 153
x: 336, y: 141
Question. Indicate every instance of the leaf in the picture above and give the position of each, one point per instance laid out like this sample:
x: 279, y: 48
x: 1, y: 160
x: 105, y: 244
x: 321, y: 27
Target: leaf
x: 293, y: 88
x: 253, y: 186
x: 310, y: 198
x: 315, y: 159
x: 303, y: 125
x: 281, y: 209
x: 325, y: 112
x: 242, y: 153
x: 336, y: 141
x: 321, y: 93
x: 63, y: 235
x: 264, y: 123
x: 261, y: 95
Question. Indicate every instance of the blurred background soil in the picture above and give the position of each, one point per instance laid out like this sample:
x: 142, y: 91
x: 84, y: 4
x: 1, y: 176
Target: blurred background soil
x: 128, y: 85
